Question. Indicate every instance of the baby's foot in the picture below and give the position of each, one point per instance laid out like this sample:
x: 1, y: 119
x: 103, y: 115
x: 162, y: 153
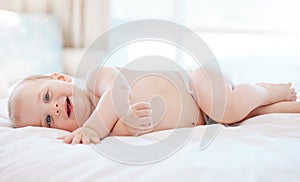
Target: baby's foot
x: 279, y: 92
x: 294, y: 95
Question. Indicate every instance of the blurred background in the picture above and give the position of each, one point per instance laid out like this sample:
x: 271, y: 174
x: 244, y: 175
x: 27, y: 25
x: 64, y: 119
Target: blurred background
x: 253, y: 40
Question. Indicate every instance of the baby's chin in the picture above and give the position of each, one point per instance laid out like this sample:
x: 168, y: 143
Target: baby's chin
x: 73, y: 126
x: 79, y: 122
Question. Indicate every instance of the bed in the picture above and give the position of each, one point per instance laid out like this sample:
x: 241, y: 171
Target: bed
x: 264, y: 148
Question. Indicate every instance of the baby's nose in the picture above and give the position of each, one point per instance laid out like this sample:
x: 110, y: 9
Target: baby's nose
x: 56, y: 109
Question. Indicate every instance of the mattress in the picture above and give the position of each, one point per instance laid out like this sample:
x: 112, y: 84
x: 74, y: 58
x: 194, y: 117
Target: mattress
x: 263, y: 148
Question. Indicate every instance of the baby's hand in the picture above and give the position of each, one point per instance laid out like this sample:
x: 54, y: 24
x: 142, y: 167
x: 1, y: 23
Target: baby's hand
x: 139, y: 116
x: 82, y: 135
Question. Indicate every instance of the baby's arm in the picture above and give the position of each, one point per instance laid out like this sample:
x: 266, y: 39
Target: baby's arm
x: 103, y: 118
x: 98, y: 125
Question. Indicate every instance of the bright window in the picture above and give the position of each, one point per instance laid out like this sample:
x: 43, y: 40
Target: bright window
x: 246, y: 36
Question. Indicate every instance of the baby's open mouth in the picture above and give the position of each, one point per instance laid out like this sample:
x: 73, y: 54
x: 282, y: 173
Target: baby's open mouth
x: 69, y: 106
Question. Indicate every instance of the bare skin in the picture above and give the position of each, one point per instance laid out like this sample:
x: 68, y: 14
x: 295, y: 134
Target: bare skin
x: 147, y: 103
x: 242, y: 101
x: 279, y: 107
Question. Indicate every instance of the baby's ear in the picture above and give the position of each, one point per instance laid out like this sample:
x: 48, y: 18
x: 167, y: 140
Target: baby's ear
x: 62, y: 77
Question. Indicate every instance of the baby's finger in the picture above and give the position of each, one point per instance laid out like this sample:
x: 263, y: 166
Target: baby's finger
x: 146, y: 123
x: 141, y: 105
x: 61, y: 137
x: 85, y: 140
x: 143, y: 112
x: 77, y: 139
x: 68, y: 139
x: 95, y: 140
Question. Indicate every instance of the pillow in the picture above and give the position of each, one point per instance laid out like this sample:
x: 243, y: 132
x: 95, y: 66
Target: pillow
x: 29, y: 44
x: 4, y: 119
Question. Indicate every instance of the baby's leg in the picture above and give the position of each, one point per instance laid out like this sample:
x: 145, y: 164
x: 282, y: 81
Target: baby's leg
x: 279, y: 107
x: 239, y: 100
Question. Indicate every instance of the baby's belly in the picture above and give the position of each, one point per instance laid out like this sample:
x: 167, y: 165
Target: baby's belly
x: 171, y: 103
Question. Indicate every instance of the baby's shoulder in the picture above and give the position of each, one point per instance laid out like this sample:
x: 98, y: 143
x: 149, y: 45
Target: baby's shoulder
x: 100, y: 78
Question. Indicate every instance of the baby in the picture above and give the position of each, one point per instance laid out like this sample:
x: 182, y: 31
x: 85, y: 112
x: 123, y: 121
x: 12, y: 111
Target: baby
x: 129, y: 102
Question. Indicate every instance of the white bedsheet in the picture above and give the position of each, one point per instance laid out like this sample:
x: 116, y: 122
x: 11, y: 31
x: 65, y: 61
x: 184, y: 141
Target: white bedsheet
x: 265, y: 148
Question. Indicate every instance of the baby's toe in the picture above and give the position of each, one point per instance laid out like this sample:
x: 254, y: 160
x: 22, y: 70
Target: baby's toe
x: 293, y: 98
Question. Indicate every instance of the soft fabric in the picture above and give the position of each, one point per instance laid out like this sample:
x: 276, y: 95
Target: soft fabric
x: 29, y: 44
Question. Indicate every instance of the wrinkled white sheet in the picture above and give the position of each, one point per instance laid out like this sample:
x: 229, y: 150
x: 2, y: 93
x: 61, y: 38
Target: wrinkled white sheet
x: 265, y: 148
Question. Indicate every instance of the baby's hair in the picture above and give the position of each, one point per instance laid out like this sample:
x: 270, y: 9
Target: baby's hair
x: 14, y: 99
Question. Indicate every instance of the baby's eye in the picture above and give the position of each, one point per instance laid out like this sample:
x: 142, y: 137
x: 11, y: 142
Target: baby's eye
x: 47, y: 97
x: 48, y: 120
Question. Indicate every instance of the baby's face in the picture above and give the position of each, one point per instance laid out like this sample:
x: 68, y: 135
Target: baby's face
x: 51, y: 103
